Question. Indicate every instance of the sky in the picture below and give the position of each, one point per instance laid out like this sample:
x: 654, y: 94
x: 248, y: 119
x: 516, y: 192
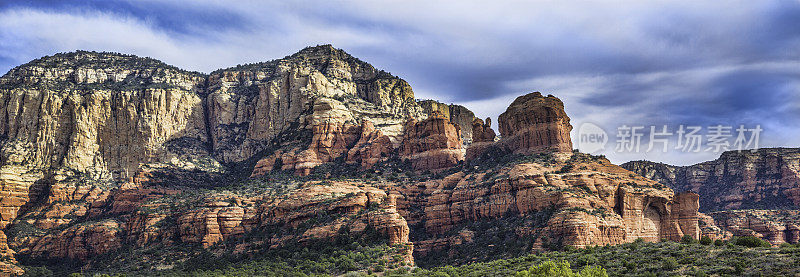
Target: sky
x: 615, y: 64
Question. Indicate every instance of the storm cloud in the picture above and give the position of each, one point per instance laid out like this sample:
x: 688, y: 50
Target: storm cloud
x: 623, y: 62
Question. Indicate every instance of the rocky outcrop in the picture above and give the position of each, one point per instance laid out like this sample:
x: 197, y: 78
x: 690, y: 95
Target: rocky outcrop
x: 456, y: 114
x: 250, y: 106
x: 482, y: 137
x: 82, y: 113
x: 533, y: 123
x: 317, y: 211
x: 762, y: 179
x: 482, y: 130
x: 431, y: 144
x: 80, y: 241
x: 775, y: 226
x: 363, y: 145
x: 597, y: 205
x: 372, y: 147
x: 216, y: 221
x: 104, y: 152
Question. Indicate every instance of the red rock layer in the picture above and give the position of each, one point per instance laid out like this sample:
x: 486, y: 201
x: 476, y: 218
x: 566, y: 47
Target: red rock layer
x: 362, y: 145
x: 533, y: 123
x: 371, y: 147
x: 597, y: 206
x: 775, y: 226
x: 482, y: 137
x: 220, y: 217
x: 768, y: 178
x: 431, y: 144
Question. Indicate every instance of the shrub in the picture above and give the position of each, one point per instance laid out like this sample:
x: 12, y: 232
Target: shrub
x: 565, y: 169
x: 38, y: 271
x: 561, y: 269
x: 719, y: 242
x: 687, y: 239
x: 669, y: 264
x: 750, y: 241
x: 739, y: 266
x: 705, y: 240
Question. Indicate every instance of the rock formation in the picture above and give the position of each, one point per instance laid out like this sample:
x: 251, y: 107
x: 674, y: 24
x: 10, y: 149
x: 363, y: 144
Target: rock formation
x: 433, y: 143
x: 763, y: 179
x: 775, y: 226
x: 482, y: 137
x: 98, y: 114
x: 371, y: 147
x: 533, y: 123
x: 250, y: 106
x: 103, y: 153
x: 596, y: 205
x: 457, y: 114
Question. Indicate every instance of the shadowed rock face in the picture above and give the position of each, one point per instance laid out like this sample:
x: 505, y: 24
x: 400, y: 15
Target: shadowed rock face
x: 775, y: 226
x: 764, y: 179
x: 102, y: 151
x: 758, y: 185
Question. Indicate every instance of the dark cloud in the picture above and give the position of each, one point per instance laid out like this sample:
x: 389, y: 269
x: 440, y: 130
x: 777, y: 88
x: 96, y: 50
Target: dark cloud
x: 657, y: 62
x: 172, y: 17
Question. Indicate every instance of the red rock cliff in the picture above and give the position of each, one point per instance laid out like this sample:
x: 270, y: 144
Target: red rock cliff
x: 534, y: 123
x: 433, y: 143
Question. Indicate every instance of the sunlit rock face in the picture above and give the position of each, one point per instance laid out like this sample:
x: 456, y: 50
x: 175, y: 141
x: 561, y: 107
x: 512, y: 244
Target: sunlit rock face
x: 319, y: 87
x: 104, y: 152
x: 456, y: 114
x: 534, y: 123
x: 433, y: 143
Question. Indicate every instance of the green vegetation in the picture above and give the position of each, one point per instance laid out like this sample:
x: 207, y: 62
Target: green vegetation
x: 561, y: 269
x: 370, y: 256
x: 642, y: 259
x: 487, y: 240
x: 750, y: 241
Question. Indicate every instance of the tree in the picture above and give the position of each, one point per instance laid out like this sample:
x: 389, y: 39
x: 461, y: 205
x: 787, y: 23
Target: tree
x: 561, y: 269
x: 750, y: 241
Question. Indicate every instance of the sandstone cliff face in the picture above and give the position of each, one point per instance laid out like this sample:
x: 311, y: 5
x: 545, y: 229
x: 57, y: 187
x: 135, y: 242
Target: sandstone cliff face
x: 775, y: 226
x: 596, y: 205
x: 250, y: 106
x: 534, y: 123
x: 431, y: 144
x: 482, y: 137
x: 764, y: 179
x: 456, y: 114
x: 89, y: 163
x: 97, y: 114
